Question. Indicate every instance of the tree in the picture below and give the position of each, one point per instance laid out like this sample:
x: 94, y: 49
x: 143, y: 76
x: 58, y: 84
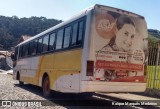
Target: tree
x: 12, y: 28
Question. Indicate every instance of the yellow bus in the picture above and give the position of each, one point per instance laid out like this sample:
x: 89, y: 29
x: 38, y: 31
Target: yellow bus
x: 101, y: 49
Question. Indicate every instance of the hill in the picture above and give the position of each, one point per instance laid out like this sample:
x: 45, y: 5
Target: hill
x: 153, y: 35
x: 12, y: 28
x: 154, y: 32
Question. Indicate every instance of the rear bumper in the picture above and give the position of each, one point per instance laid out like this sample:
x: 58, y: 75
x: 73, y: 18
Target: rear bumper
x: 100, y: 86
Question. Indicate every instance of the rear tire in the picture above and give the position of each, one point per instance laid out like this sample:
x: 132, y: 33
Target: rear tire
x: 18, y: 78
x: 21, y: 83
x: 46, y: 87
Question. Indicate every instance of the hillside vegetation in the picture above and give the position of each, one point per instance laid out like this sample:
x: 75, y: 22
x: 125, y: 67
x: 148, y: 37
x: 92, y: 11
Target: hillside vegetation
x: 12, y: 28
x: 152, y: 39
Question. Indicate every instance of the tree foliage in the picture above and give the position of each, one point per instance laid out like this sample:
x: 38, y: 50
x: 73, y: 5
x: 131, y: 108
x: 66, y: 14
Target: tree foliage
x: 12, y: 28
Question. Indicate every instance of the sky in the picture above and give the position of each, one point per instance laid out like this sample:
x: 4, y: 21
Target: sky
x: 64, y: 9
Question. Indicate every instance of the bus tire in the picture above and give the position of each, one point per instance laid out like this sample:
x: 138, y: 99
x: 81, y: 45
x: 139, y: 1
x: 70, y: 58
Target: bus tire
x: 18, y: 78
x: 46, y: 86
x: 21, y: 83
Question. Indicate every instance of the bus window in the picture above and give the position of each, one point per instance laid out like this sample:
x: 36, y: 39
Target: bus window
x: 67, y: 35
x: 30, y: 50
x: 80, y: 33
x: 52, y: 41
x: 16, y: 53
x: 59, y: 39
x: 45, y: 43
x: 74, y: 35
x: 39, y: 48
x: 26, y: 50
x: 34, y: 47
x: 20, y: 51
x: 23, y: 50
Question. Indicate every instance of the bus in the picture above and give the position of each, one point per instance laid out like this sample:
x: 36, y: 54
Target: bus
x: 101, y: 49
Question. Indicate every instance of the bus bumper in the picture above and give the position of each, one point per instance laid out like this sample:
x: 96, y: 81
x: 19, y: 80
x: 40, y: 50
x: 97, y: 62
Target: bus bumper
x: 100, y: 86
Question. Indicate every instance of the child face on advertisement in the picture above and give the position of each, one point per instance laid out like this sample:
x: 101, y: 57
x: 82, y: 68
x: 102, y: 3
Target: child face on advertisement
x: 125, y: 36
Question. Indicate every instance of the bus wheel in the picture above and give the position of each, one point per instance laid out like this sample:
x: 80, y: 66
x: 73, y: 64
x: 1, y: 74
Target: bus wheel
x: 18, y: 78
x: 46, y: 87
x: 21, y: 83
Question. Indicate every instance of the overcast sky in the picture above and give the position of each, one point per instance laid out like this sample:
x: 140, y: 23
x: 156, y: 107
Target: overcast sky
x: 64, y: 9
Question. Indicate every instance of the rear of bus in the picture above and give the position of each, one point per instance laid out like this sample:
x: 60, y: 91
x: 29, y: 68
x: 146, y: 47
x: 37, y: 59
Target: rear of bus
x: 115, y: 52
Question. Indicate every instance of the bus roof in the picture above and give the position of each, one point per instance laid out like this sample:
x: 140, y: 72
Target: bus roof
x: 79, y: 15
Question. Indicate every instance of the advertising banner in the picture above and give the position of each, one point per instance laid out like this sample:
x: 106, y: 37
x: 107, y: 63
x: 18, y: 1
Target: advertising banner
x: 120, y: 46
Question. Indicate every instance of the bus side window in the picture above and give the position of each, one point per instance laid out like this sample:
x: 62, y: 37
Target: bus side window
x: 52, y: 41
x: 20, y: 51
x: 67, y: 35
x: 80, y: 32
x: 23, y: 50
x: 59, y: 39
x: 30, y: 50
x: 16, y: 53
x: 45, y: 43
x: 19, y: 54
x: 39, y: 46
x: 74, y: 34
x: 26, y: 49
x: 34, y: 47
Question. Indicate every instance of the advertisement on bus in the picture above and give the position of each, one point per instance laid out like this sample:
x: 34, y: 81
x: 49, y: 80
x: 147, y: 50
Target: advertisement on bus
x: 120, y: 46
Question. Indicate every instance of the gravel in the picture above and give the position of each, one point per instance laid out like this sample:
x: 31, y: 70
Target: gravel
x: 11, y: 90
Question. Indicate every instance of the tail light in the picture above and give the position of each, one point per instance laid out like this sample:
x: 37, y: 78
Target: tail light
x: 90, y: 68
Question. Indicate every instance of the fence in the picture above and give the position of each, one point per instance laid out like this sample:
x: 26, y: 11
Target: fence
x: 153, y: 69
